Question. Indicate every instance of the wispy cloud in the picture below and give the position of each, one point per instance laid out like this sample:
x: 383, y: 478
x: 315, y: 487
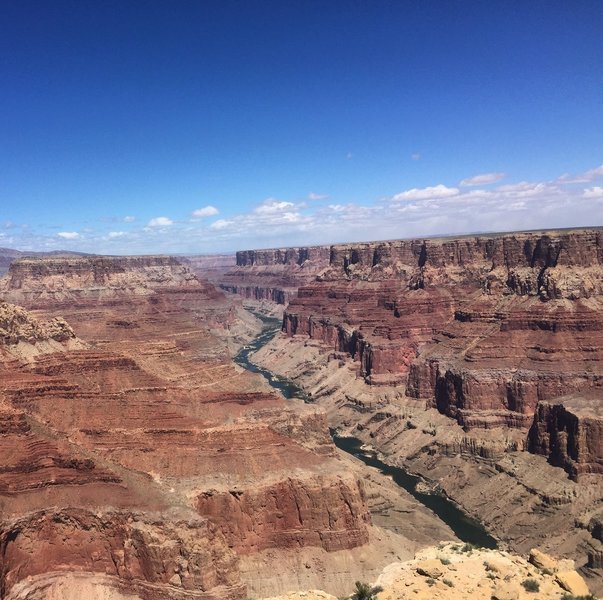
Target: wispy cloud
x: 586, y: 177
x: 129, y: 219
x: 160, y: 222
x: 272, y: 206
x: 483, y: 179
x: 441, y: 208
x: 206, y: 211
x: 313, y: 196
x: 415, y: 156
x: 220, y: 224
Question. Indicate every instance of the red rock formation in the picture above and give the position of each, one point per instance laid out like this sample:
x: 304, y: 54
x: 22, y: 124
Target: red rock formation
x: 274, y: 275
x: 324, y: 512
x: 210, y: 267
x: 483, y: 328
x: 143, y: 554
x: 569, y: 430
x: 135, y: 409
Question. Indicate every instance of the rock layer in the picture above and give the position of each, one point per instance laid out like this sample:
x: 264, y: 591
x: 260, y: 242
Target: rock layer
x: 135, y: 424
x: 450, y: 356
x: 274, y: 275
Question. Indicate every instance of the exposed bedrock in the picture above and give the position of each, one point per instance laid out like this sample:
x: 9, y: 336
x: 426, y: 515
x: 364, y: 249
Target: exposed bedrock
x: 34, y: 282
x: 145, y: 555
x: 274, y: 275
x: 132, y: 407
x: 524, y: 263
x: 283, y: 256
x: 211, y: 266
x: 450, y: 355
x: 453, y: 321
x: 325, y: 512
x: 569, y: 431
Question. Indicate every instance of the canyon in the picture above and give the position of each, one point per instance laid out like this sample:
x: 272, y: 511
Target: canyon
x: 138, y: 461
x: 474, y: 362
x: 142, y: 461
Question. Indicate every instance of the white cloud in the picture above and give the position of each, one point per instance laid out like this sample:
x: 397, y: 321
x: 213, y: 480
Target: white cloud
x: 206, y: 211
x: 160, y: 222
x: 129, y: 219
x: 272, y: 206
x: 313, y: 196
x: 220, y: 224
x: 427, y: 193
x: 593, y: 192
x: 417, y: 212
x: 483, y: 179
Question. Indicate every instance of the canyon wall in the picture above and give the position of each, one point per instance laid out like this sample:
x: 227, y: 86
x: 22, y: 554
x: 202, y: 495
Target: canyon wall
x: 274, y: 275
x: 478, y: 327
x: 210, y: 267
x: 473, y: 361
x: 127, y: 433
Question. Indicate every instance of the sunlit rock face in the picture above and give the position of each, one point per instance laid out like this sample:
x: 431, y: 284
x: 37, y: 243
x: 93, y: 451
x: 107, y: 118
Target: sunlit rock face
x: 474, y: 361
x: 483, y: 328
x: 274, y: 275
x: 122, y: 415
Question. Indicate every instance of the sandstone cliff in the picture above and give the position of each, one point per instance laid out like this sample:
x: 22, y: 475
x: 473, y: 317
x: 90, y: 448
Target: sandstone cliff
x: 450, y: 355
x: 210, y: 266
x: 143, y: 436
x: 274, y: 275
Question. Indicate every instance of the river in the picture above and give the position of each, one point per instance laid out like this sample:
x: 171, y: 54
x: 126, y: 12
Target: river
x: 465, y: 527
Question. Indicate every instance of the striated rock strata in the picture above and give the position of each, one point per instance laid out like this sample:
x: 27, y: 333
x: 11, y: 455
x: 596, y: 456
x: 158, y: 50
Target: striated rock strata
x: 274, y: 275
x: 450, y: 356
x: 162, y: 461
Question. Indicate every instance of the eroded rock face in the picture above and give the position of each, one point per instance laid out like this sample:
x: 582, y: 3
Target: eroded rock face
x: 147, y: 556
x: 274, y: 275
x: 18, y: 325
x: 569, y: 430
x: 133, y: 413
x: 328, y: 513
x: 449, y: 355
x: 210, y: 267
x: 481, y: 328
x: 46, y: 281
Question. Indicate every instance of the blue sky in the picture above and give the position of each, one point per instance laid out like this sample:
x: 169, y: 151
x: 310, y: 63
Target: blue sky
x: 199, y: 126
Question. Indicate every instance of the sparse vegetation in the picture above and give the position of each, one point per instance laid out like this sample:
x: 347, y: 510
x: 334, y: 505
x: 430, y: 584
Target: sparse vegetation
x: 431, y: 581
x: 365, y: 591
x: 530, y: 585
x: 468, y: 547
x: 447, y: 582
x: 444, y: 560
x: 572, y: 597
